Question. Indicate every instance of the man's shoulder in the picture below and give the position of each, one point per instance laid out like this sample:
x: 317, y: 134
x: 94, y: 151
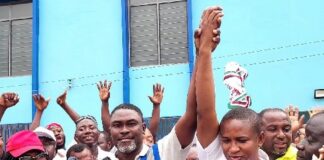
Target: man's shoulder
x: 291, y: 154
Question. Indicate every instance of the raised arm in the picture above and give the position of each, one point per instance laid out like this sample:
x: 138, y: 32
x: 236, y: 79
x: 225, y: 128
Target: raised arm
x: 207, y: 125
x: 104, y: 94
x: 296, y: 121
x: 187, y: 124
x: 41, y: 105
x: 61, y: 100
x: 156, y: 99
x: 7, y: 100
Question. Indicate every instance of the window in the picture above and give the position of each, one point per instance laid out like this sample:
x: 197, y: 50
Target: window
x: 157, y: 32
x: 15, y: 39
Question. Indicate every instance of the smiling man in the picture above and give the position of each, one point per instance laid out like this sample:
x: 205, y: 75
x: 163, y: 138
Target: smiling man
x: 127, y: 128
x: 276, y: 126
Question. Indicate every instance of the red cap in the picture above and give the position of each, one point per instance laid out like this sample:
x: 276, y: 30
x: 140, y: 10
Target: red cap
x: 53, y: 124
x: 22, y: 142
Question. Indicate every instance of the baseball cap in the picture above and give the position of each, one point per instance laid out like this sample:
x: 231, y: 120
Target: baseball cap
x: 43, y: 132
x: 22, y: 142
x: 53, y: 124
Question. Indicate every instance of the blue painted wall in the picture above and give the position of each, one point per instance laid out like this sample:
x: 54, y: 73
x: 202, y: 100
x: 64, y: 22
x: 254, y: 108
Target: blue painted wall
x: 175, y: 79
x: 281, y: 48
x: 21, y: 112
x: 81, y: 41
x: 280, y: 43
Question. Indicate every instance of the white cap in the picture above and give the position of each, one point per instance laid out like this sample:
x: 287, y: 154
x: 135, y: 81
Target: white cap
x: 43, y: 132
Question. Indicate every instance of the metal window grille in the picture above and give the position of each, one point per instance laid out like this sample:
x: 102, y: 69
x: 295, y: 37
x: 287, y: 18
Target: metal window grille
x: 15, y: 40
x: 158, y: 32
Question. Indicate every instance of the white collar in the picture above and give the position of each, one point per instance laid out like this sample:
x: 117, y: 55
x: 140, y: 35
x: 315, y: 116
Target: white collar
x: 144, y: 151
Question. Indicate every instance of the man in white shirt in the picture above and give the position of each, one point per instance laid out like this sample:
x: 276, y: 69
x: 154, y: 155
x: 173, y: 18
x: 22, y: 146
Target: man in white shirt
x: 127, y: 130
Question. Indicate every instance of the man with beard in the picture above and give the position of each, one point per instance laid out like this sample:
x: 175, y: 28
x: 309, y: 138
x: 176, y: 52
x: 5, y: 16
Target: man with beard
x: 87, y: 133
x: 277, y: 127
x: 127, y: 128
x: 314, y: 140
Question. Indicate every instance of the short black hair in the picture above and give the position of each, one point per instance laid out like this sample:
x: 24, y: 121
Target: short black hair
x: 128, y: 106
x: 319, y: 114
x: 241, y: 113
x: 77, y: 148
x: 263, y: 112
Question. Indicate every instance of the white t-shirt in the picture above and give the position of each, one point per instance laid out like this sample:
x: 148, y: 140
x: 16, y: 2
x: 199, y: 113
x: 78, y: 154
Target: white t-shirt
x: 60, y: 155
x: 214, y: 151
x: 169, y: 149
x: 314, y: 157
x: 103, y: 154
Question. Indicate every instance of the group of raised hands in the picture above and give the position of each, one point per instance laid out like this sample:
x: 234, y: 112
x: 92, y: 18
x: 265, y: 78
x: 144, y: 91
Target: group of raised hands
x: 297, y: 121
x: 10, y: 99
x: 104, y: 94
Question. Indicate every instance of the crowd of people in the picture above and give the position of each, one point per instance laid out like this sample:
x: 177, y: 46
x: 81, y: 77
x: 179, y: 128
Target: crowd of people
x: 242, y: 134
